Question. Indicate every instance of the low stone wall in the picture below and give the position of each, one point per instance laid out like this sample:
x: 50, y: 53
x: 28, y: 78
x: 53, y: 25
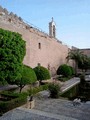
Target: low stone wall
x: 72, y: 92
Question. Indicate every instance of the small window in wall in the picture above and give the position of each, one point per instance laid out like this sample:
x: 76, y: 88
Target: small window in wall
x: 39, y: 45
x: 39, y: 64
x: 9, y: 20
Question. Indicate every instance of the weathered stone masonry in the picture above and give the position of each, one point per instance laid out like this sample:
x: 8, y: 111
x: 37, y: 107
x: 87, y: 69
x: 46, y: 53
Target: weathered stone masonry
x: 40, y: 47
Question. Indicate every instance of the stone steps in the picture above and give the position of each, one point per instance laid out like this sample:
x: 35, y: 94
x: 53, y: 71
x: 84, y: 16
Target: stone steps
x: 50, y: 109
x: 46, y: 115
x: 64, y: 107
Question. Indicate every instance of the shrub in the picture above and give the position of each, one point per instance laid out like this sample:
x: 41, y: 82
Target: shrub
x: 42, y: 73
x: 72, y: 70
x: 64, y: 70
x: 54, y: 90
x: 35, y: 90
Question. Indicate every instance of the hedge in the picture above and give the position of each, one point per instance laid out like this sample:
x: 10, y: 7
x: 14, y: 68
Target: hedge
x: 18, y: 100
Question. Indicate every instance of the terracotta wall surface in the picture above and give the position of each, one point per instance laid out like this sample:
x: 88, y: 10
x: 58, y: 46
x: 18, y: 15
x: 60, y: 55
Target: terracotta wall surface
x: 52, y: 52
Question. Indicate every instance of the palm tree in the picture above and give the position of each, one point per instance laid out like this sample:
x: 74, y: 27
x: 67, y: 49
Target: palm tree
x: 75, y: 55
x: 85, y: 64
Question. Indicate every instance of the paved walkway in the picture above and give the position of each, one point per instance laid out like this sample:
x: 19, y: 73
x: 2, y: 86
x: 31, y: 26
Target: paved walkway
x: 27, y: 114
x: 65, y: 108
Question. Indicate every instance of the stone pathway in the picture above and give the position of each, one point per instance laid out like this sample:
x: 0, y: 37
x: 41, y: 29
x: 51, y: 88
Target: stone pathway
x: 27, y: 114
x: 64, y: 108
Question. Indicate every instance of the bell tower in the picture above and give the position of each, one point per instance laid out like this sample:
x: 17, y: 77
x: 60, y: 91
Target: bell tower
x: 52, y: 28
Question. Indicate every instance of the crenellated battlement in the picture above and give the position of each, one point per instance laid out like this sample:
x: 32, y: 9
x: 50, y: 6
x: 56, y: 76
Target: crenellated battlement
x: 20, y: 23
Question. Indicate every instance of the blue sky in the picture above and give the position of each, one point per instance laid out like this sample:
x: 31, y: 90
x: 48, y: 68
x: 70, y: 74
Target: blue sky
x: 72, y: 17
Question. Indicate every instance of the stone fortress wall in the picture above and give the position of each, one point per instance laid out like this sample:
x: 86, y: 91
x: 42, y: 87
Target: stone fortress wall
x: 40, y: 47
x: 86, y: 51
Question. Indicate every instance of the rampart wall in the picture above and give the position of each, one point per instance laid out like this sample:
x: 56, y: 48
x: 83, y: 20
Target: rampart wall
x: 40, y: 47
x: 86, y: 51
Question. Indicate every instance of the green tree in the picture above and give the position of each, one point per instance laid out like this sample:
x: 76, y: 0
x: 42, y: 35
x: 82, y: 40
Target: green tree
x: 12, y: 52
x: 42, y: 73
x: 28, y: 77
x: 75, y: 55
x: 72, y: 70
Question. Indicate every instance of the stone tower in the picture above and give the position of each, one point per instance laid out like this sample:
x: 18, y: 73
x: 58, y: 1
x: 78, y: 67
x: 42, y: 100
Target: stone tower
x: 52, y: 28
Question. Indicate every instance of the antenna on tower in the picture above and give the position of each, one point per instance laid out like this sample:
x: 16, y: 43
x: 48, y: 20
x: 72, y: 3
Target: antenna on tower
x: 52, y: 19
